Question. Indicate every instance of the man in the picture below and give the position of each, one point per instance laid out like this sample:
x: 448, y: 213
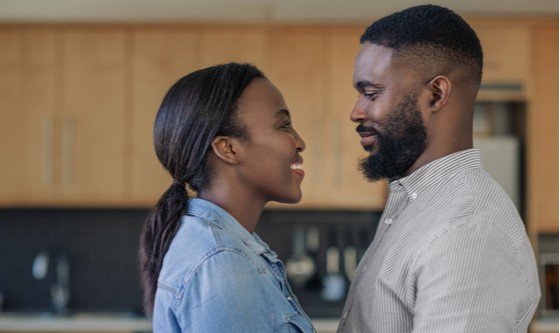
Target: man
x: 451, y: 253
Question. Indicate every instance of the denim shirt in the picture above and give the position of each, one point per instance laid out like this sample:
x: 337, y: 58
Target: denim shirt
x: 217, y: 277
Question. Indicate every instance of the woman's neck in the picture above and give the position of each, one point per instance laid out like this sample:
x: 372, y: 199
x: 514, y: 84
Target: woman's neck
x: 246, y: 211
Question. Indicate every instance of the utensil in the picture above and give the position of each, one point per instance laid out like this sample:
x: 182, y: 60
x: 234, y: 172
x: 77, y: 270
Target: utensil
x: 350, y: 255
x: 299, y: 267
x: 313, y: 243
x: 334, y: 284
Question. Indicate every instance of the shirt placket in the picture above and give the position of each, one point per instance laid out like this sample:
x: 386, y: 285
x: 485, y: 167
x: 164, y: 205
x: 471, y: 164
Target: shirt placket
x: 395, y: 205
x: 280, y: 274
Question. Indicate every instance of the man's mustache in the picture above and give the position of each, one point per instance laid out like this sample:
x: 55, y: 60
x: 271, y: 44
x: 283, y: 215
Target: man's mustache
x: 368, y: 129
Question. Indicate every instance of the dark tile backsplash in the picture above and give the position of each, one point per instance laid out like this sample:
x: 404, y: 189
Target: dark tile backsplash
x: 101, y: 246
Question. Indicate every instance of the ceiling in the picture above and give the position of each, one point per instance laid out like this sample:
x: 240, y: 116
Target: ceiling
x: 249, y: 10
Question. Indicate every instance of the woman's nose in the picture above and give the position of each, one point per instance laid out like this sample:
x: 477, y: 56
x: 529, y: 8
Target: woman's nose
x: 300, y: 144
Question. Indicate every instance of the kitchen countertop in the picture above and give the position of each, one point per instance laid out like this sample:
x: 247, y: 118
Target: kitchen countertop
x: 86, y: 322
x: 99, y: 322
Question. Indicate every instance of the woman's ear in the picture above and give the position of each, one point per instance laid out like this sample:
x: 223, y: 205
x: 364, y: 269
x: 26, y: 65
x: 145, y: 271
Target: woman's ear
x: 226, y: 149
x: 440, y: 87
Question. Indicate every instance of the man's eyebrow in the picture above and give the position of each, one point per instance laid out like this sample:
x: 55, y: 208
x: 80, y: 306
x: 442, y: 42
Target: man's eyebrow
x: 282, y: 112
x: 361, y: 85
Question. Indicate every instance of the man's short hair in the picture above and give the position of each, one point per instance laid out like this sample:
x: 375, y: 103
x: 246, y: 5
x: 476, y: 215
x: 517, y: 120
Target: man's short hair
x: 434, y: 37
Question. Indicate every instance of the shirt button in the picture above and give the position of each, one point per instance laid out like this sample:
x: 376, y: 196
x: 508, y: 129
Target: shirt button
x: 414, y: 196
x: 388, y: 221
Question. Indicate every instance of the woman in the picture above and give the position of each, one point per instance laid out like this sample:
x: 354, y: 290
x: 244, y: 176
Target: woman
x: 225, y: 132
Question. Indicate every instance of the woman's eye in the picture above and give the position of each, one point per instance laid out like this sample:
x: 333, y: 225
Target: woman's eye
x: 287, y: 126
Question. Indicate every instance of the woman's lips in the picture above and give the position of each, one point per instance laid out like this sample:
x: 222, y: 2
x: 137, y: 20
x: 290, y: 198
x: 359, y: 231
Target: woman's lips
x: 297, y: 168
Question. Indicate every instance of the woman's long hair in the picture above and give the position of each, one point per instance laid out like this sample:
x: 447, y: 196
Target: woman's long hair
x: 196, y: 109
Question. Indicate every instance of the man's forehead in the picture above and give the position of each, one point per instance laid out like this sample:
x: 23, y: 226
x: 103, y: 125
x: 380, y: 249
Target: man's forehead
x: 372, y: 63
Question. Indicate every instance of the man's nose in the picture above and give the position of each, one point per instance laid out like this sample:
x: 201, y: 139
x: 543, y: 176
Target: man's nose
x: 358, y: 114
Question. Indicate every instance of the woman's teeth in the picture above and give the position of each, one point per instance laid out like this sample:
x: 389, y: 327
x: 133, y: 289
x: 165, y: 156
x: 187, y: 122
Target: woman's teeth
x: 296, y: 167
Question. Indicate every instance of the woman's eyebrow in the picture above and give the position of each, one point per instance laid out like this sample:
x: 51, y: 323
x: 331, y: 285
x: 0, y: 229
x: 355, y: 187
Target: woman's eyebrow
x: 282, y: 112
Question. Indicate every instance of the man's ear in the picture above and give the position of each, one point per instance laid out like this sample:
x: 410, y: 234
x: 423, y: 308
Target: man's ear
x: 440, y: 87
x: 226, y: 149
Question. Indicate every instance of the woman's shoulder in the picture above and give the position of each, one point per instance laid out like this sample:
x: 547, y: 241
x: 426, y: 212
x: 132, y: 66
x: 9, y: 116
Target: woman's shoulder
x: 196, y: 241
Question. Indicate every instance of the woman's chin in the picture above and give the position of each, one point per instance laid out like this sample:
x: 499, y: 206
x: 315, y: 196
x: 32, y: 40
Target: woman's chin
x: 292, y: 198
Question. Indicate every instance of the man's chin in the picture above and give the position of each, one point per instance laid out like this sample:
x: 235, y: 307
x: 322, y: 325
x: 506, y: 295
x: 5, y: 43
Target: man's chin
x: 369, y: 171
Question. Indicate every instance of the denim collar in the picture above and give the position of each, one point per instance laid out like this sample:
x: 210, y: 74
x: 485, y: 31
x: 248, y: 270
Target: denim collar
x: 216, y: 215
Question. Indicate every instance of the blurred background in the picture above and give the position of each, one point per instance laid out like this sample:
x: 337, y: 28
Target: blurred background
x: 81, y: 81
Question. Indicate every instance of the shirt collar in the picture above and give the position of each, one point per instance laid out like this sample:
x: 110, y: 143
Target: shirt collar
x: 438, y: 171
x: 213, y: 213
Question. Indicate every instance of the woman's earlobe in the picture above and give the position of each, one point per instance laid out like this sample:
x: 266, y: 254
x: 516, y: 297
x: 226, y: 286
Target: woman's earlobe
x: 225, y: 149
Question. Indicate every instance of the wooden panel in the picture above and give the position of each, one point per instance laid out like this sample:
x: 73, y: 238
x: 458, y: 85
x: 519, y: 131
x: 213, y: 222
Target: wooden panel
x: 298, y: 62
x: 159, y: 58
x: 10, y: 112
x: 349, y: 188
x: 40, y: 170
x: 227, y: 44
x: 93, y: 127
x: 542, y: 133
x: 506, y: 52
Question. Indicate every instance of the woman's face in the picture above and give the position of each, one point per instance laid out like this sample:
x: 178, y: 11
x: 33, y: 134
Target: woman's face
x: 271, y: 165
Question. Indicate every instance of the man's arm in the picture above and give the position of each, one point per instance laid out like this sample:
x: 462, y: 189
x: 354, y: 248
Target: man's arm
x: 469, y: 279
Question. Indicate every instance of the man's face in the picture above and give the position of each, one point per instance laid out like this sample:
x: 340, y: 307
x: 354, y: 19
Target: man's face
x: 391, y: 123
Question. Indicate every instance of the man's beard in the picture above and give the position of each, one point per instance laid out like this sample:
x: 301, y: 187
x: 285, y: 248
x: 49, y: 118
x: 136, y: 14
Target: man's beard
x: 403, y: 140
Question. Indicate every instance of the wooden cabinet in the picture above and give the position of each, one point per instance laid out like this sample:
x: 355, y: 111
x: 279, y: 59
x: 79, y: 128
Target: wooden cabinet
x: 542, y: 132
x: 506, y: 48
x: 297, y: 67
x: 93, y: 113
x: 159, y: 57
x: 28, y: 97
x: 349, y: 188
x: 63, y: 92
x: 78, y: 105
x: 221, y: 44
x: 38, y: 114
x: 313, y: 69
x: 11, y: 77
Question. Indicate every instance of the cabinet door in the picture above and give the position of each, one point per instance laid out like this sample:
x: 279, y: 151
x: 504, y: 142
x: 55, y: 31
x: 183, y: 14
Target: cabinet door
x: 242, y: 44
x: 506, y: 52
x: 39, y: 170
x: 10, y: 112
x: 542, y: 133
x: 93, y: 111
x: 349, y: 189
x: 297, y: 68
x: 159, y: 57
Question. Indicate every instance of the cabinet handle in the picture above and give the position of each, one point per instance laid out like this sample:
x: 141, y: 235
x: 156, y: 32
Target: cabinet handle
x: 68, y: 150
x: 47, y: 153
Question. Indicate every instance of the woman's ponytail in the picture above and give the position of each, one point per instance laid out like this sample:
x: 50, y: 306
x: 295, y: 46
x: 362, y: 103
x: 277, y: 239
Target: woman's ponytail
x: 161, y: 226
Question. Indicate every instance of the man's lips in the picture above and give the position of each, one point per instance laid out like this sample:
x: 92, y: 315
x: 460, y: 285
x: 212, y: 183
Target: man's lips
x: 368, y: 135
x: 368, y: 141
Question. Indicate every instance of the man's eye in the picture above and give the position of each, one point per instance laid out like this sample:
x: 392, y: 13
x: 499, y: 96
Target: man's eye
x: 370, y: 96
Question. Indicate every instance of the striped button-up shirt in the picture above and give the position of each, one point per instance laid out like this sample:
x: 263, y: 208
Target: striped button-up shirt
x: 451, y: 254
